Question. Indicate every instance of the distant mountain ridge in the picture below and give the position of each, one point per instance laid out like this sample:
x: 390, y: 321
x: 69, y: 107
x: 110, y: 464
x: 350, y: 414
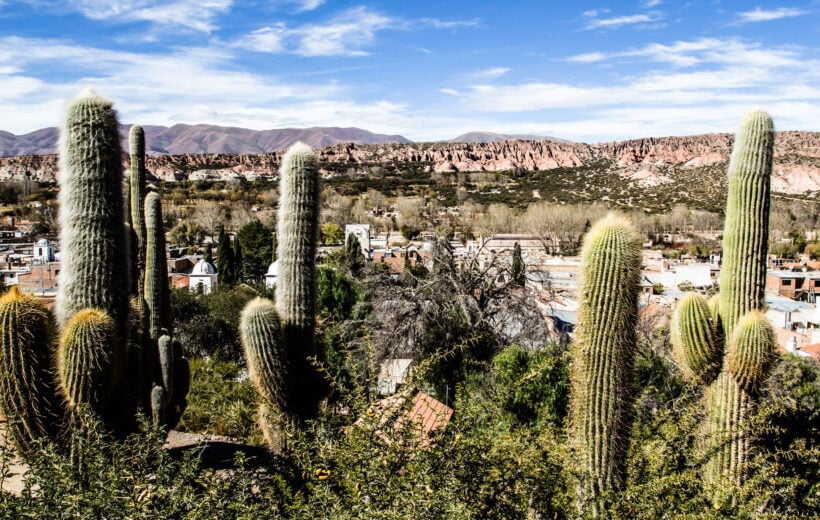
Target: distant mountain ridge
x: 207, y: 139
x: 491, y: 137
x: 673, y: 164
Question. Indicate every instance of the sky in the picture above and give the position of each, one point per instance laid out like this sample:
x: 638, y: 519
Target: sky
x: 428, y: 70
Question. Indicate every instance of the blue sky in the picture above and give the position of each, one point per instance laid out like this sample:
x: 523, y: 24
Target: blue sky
x: 429, y: 70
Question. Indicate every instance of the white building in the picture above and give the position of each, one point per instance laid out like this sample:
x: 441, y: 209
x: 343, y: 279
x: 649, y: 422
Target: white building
x: 203, y: 277
x: 43, y: 252
x: 362, y: 233
x: 272, y: 275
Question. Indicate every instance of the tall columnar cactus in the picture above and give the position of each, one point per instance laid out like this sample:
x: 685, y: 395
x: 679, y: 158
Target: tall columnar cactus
x: 94, y: 270
x: 28, y: 395
x: 279, y: 339
x: 84, y: 360
x: 297, y: 225
x: 137, y: 179
x: 157, y: 296
x: 261, y: 337
x: 743, y: 338
x: 603, y: 357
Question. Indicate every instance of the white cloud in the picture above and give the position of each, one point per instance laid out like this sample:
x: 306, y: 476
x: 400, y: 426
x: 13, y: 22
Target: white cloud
x: 266, y: 39
x: 699, y: 52
x: 493, y: 72
x: 449, y: 91
x: 652, y: 3
x: 689, y: 87
x: 766, y: 15
x: 310, y: 5
x: 345, y: 35
x: 197, y: 15
x: 619, y: 21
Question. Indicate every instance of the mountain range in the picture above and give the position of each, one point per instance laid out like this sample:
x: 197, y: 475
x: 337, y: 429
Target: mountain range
x: 209, y: 139
x: 193, y: 139
x: 662, y: 166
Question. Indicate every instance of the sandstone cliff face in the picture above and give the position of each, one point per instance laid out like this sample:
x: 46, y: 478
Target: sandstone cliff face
x: 649, y: 161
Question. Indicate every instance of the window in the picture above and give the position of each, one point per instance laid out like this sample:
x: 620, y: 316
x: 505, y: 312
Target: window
x: 786, y: 283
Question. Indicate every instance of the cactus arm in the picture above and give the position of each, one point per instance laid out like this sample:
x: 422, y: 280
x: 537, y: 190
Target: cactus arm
x: 694, y: 339
x: 84, y: 360
x: 751, y: 351
x: 157, y: 295
x: 746, y: 232
x: 266, y: 360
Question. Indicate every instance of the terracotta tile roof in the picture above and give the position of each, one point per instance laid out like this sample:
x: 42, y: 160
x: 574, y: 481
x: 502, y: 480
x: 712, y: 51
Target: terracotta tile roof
x: 812, y: 350
x: 408, y: 407
x: 430, y: 414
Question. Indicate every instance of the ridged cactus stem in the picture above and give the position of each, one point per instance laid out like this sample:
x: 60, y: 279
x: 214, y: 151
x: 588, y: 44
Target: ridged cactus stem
x: 603, y: 357
x: 266, y: 360
x: 157, y: 295
x: 744, y: 337
x: 94, y: 268
x: 297, y: 223
x: 746, y: 231
x: 84, y: 360
x: 28, y: 395
x: 742, y: 286
x: 136, y: 141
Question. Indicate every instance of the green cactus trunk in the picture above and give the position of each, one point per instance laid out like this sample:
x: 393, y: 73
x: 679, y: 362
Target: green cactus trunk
x: 28, y: 397
x: 137, y: 180
x: 742, y: 287
x: 603, y: 358
x: 744, y: 337
x: 298, y: 223
x: 157, y: 295
x: 94, y: 270
x: 746, y: 230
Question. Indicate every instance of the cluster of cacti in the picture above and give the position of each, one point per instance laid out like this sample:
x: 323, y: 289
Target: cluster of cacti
x: 728, y: 344
x: 603, y: 357
x: 101, y: 359
x: 279, y: 339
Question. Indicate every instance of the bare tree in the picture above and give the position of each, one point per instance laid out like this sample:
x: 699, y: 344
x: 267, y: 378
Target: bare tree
x: 210, y: 215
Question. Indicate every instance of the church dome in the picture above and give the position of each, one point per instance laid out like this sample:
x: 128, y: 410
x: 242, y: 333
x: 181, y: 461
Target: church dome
x: 42, y: 242
x: 203, y: 268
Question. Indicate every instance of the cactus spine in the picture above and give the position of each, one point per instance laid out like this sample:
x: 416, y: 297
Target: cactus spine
x: 603, y: 357
x: 28, y: 396
x: 279, y: 339
x: 745, y: 338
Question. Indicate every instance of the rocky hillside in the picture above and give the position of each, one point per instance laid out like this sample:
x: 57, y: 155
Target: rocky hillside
x: 643, y: 163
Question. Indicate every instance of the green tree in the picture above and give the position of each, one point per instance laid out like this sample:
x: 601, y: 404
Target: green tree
x: 335, y: 294
x: 332, y: 233
x: 256, y: 241
x: 225, y: 260
x: 187, y: 233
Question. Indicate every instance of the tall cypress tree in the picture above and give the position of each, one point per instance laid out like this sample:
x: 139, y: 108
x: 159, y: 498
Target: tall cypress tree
x: 225, y: 260
x: 517, y: 273
x: 238, y: 267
